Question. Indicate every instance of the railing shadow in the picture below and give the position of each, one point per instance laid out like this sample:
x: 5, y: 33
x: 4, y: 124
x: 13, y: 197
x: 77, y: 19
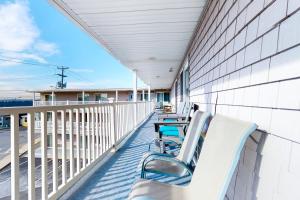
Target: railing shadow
x: 115, y: 178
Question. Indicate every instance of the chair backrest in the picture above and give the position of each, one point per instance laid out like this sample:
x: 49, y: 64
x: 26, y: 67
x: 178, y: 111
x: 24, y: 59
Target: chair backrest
x: 192, y: 137
x: 219, y: 156
x: 180, y: 108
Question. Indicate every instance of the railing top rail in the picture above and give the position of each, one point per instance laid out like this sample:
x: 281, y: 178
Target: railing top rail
x: 45, y: 108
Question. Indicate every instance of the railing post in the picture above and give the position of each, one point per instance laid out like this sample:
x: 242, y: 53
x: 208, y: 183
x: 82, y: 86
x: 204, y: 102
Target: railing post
x: 135, y: 110
x: 113, y: 124
x: 97, y: 130
x: 83, y: 139
x: 44, y: 163
x: 88, y: 127
x: 77, y: 113
x: 31, y: 156
x: 71, y: 143
x: 14, y: 145
x: 54, y: 151
x: 93, y: 133
x: 63, y: 147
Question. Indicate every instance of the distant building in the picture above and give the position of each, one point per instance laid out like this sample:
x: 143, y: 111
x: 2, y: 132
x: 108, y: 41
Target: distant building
x: 74, y: 96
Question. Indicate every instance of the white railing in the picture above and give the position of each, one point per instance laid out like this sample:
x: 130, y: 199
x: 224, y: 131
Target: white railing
x: 62, y: 103
x: 95, y: 130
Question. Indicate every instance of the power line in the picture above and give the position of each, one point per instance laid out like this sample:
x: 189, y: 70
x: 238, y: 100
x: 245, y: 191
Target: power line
x: 17, y: 60
x: 60, y: 84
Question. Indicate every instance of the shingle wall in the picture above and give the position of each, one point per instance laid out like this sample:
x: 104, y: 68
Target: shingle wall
x: 245, y: 63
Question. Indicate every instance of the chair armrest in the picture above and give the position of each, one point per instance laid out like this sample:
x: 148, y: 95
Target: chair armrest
x: 168, y: 159
x: 178, y: 117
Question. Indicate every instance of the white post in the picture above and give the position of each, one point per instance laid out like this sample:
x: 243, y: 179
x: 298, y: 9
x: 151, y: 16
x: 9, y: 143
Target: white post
x: 117, y: 96
x: 33, y: 100
x: 143, y: 95
x: 83, y: 97
x: 14, y: 146
x: 135, y: 97
x: 31, y: 156
x: 149, y: 93
x: 149, y: 98
x: 44, y: 163
x: 52, y: 98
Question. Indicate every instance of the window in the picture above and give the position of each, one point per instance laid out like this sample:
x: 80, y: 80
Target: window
x: 146, y: 96
x: 160, y: 97
x: 181, y: 86
x: 86, y: 97
x: 48, y: 97
x: 166, y: 97
x: 102, y: 97
x: 187, y: 83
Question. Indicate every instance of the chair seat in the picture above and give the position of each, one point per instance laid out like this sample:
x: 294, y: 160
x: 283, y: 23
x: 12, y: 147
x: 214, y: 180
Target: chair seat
x: 169, y: 130
x: 147, y: 189
x: 170, y: 133
x: 165, y: 167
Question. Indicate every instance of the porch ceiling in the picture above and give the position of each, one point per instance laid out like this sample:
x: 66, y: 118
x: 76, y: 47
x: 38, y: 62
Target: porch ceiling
x: 150, y: 36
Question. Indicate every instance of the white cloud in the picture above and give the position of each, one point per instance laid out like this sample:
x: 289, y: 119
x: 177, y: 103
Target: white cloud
x: 20, y: 37
x: 17, y: 31
x: 46, y: 47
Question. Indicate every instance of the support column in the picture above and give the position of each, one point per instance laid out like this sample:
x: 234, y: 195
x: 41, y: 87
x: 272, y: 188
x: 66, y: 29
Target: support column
x: 149, y: 99
x: 83, y: 94
x: 52, y: 98
x: 134, y: 97
x: 33, y: 99
x: 143, y: 95
x: 117, y: 96
x: 149, y: 93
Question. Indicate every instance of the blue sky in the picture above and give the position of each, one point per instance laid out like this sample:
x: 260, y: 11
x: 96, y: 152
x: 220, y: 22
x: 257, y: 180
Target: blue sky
x: 34, y: 31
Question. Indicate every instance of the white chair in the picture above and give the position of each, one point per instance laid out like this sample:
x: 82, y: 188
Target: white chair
x: 220, y: 154
x: 181, y: 164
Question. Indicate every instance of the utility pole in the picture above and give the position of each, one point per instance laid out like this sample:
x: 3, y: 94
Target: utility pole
x: 61, y: 84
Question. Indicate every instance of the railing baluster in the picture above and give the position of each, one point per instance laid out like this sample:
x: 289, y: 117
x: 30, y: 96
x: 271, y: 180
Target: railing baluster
x: 123, y: 120
x: 89, y: 135
x: 71, y: 144
x: 83, y: 139
x: 14, y: 145
x: 97, y: 131
x: 93, y: 133
x: 110, y: 134
x: 113, y: 122
x: 54, y: 151
x: 44, y: 162
x: 31, y: 156
x: 101, y: 129
x: 63, y: 147
x: 77, y: 141
x: 106, y: 128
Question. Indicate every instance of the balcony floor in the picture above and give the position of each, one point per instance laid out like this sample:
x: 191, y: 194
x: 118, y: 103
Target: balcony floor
x: 114, y: 179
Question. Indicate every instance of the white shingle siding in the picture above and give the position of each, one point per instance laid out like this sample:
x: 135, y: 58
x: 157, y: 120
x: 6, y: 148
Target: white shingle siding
x: 245, y: 62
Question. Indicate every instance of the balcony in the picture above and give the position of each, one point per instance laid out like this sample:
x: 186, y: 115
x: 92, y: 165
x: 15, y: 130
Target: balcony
x: 73, y: 140
x: 238, y: 59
